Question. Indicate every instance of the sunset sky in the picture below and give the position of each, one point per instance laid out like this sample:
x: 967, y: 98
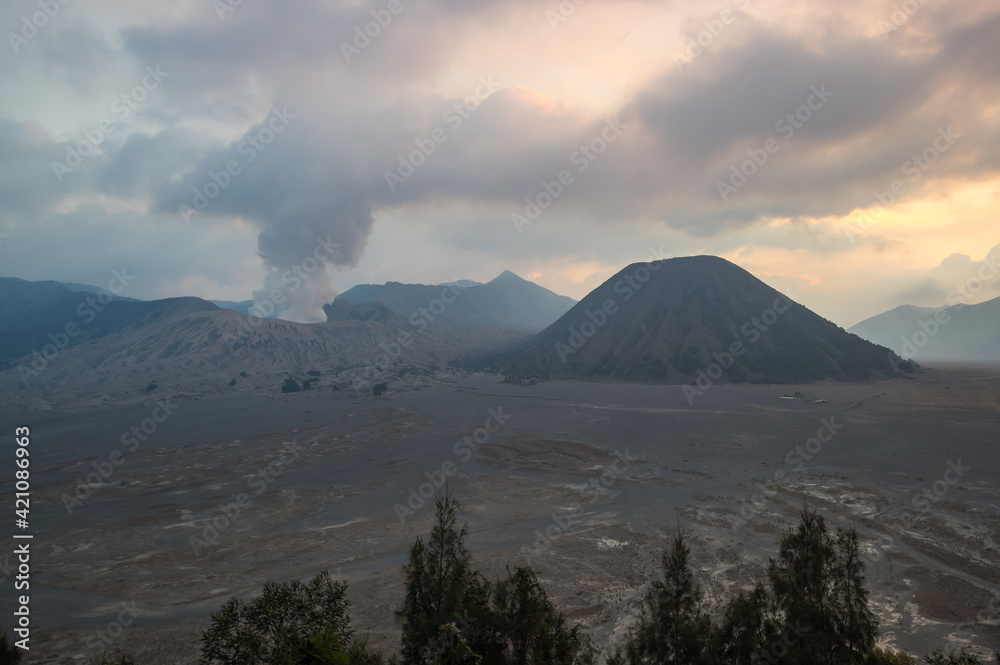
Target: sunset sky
x: 420, y: 135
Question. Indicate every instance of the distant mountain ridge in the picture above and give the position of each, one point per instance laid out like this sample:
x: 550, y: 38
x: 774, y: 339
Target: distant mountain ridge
x: 959, y: 333
x: 32, y: 313
x: 243, y: 307
x: 672, y: 320
x: 507, y: 301
x: 677, y: 321
x: 117, y: 349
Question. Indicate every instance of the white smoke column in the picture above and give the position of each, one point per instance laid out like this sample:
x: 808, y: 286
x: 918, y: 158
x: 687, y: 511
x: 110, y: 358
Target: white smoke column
x: 299, y: 246
x: 303, y: 191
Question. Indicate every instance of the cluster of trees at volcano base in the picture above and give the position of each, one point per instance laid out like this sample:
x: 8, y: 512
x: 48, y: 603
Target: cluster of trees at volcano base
x: 814, y: 610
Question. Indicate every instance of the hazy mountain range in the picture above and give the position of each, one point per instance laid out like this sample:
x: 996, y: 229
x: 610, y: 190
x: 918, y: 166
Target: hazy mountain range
x: 680, y: 320
x: 191, y: 345
x: 507, y: 301
x: 965, y: 333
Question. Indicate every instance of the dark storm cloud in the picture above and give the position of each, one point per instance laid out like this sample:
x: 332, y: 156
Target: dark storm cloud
x: 285, y: 42
x: 974, y: 51
x: 498, y: 153
x: 325, y: 174
x: 686, y: 129
x: 885, y: 108
x: 757, y: 83
x: 144, y: 162
x: 283, y: 170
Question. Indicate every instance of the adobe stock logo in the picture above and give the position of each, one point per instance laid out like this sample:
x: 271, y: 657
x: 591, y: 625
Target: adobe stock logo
x: 787, y: 125
x: 958, y: 297
x: 122, y: 107
x: 38, y: 20
x: 364, y: 34
x: 87, y: 310
x: 625, y: 287
x: 418, y: 497
x: 752, y: 330
x: 215, y: 525
x: 250, y: 146
x: 566, y: 9
x: 131, y: 439
x: 455, y: 116
x: 582, y: 158
x: 695, y: 45
x: 915, y: 167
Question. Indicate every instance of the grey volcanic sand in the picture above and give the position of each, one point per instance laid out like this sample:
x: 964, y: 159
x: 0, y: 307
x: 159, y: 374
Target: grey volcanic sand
x: 664, y: 462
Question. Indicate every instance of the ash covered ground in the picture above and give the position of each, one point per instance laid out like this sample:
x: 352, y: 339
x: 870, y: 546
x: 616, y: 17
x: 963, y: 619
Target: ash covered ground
x: 584, y: 481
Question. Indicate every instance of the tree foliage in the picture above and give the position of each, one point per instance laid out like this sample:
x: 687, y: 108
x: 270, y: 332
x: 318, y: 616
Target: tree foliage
x: 439, y: 582
x: 9, y: 653
x: 507, y: 622
x: 452, y: 649
x: 530, y: 630
x: 289, y: 622
x: 887, y: 656
x: 673, y: 629
x: 819, y: 590
x: 815, y: 611
x: 750, y: 628
x: 963, y: 657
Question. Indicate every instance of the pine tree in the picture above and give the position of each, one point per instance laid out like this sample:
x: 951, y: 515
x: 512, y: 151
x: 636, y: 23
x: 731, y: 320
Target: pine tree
x: 749, y: 629
x: 802, y: 582
x: 819, y: 588
x: 509, y: 622
x: 439, y: 582
x: 530, y: 629
x: 675, y: 631
x: 857, y: 627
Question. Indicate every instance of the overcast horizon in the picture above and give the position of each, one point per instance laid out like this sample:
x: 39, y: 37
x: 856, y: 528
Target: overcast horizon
x: 847, y: 155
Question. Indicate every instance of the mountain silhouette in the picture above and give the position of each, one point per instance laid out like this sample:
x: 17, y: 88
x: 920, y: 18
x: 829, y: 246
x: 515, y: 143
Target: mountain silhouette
x: 679, y: 319
x: 508, y: 301
x: 959, y: 333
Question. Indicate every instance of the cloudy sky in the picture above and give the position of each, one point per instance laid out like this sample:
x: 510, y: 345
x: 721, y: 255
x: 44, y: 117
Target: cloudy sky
x: 846, y: 153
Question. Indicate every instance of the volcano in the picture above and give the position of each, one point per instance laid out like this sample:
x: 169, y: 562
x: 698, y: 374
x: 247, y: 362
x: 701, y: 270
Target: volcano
x: 672, y: 321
